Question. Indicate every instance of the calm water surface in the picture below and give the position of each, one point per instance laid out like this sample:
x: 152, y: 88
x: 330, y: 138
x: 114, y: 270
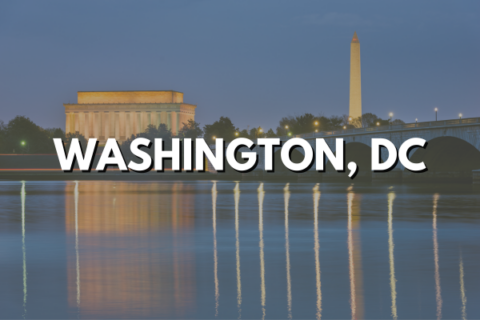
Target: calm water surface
x: 238, y: 250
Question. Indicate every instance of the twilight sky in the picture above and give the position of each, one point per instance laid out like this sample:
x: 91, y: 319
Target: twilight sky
x: 252, y: 61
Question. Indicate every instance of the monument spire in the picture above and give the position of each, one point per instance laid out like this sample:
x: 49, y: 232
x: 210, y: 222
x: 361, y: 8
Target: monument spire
x: 355, y: 110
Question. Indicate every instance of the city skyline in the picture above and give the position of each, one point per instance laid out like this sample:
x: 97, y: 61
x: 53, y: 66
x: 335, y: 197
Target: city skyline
x: 242, y: 60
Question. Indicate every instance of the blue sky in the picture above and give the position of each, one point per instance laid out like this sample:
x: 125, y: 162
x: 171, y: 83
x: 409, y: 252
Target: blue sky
x: 253, y: 61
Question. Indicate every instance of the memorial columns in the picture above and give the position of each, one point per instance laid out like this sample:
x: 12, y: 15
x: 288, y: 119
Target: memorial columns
x: 96, y: 125
x: 106, y: 121
x: 174, y: 122
x: 84, y: 127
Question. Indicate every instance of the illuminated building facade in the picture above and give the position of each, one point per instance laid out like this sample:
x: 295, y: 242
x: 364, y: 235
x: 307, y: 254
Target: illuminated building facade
x: 355, y: 110
x: 119, y: 114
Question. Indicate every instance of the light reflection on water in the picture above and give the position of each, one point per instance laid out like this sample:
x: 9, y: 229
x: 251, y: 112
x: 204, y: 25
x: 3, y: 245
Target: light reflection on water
x: 137, y: 249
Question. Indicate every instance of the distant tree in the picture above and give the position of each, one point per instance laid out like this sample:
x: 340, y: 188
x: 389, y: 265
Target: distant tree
x: 191, y: 129
x: 3, y: 137
x: 335, y: 123
x: 55, y: 133
x: 223, y: 128
x: 151, y: 133
x: 369, y: 120
x: 349, y: 122
x: 76, y: 135
x: 308, y: 123
x: 298, y: 124
x: 271, y: 134
x: 244, y: 134
x: 372, y: 120
x: 24, y: 136
x: 397, y: 121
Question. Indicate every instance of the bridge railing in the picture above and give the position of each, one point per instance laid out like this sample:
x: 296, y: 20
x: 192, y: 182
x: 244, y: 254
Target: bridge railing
x: 441, y: 123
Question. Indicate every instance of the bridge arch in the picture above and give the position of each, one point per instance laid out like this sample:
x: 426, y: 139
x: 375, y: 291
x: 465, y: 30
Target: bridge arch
x: 448, y: 154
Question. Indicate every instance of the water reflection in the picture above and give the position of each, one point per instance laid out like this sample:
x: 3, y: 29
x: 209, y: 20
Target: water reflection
x: 438, y: 288
x: 137, y: 250
x: 76, y: 244
x: 393, y: 288
x: 354, y: 255
x: 130, y: 245
x: 462, y: 291
x: 215, y: 259
x: 316, y: 200
x: 236, y: 192
x: 286, y: 195
x: 24, y: 252
x: 261, y: 195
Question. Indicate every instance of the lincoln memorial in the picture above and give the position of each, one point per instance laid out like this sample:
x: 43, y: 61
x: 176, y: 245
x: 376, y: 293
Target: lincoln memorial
x: 119, y: 114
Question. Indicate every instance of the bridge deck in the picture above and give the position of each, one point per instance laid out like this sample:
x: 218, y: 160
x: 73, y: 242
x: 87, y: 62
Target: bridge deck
x: 390, y: 128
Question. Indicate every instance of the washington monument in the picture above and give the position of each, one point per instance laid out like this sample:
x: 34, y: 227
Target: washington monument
x: 355, y: 79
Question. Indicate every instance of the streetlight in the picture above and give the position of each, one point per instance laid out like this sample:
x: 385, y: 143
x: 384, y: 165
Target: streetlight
x: 316, y: 130
x: 286, y: 127
x: 436, y: 111
x: 214, y: 138
x: 316, y: 123
x: 416, y: 121
x: 378, y: 123
x: 22, y: 143
x: 289, y: 134
x: 460, y: 115
x: 258, y: 131
x: 236, y: 133
x: 344, y: 127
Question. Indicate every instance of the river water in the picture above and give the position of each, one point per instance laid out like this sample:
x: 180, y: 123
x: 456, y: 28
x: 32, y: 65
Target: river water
x: 206, y: 249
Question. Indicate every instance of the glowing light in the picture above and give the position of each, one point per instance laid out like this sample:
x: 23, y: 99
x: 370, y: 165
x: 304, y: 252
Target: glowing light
x: 286, y: 194
x: 316, y: 198
x: 391, y: 114
x: 316, y: 123
x: 260, y: 130
x: 76, y: 244
x: 344, y: 127
x: 237, y: 244
x: 462, y: 291
x: 286, y: 127
x: 436, y: 109
x: 438, y: 289
x: 214, y: 138
x: 354, y: 255
x: 236, y: 133
x: 316, y: 130
x: 460, y: 115
x: 261, y: 195
x: 215, y: 259
x: 289, y: 134
x: 351, y: 263
x: 393, y: 280
x: 378, y: 123
x: 23, y: 143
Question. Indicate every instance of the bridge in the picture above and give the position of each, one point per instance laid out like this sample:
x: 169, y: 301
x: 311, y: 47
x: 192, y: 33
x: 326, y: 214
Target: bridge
x: 453, y: 147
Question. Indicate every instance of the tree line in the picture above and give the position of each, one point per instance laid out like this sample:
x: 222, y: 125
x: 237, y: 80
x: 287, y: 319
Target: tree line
x: 22, y: 136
